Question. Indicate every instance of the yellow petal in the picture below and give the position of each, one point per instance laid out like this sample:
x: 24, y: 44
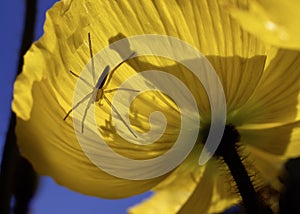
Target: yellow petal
x: 239, y: 76
x: 274, y: 140
x: 189, y: 190
x: 267, y: 166
x: 48, y: 93
x: 276, y: 97
x: 199, y: 202
x: 51, y: 146
x: 174, y: 191
x: 237, y: 57
x: 275, y: 22
x: 213, y: 193
x: 44, y: 91
x: 214, y: 33
x: 23, y: 101
x: 293, y: 150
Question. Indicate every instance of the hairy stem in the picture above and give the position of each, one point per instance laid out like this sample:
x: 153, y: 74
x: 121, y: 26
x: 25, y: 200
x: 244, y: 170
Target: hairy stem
x: 228, y: 151
x: 242, y: 180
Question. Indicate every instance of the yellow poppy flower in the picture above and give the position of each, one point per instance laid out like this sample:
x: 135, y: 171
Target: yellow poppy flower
x: 261, y: 86
x: 275, y: 22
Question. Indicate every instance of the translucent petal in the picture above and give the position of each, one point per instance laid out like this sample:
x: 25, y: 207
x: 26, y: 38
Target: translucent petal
x: 275, y: 22
x: 276, y: 97
x: 274, y: 140
x: 213, y: 193
x: 174, y: 191
x: 237, y: 57
x: 189, y: 21
x: 191, y: 191
x: 44, y: 91
x: 50, y: 144
x: 293, y: 150
x: 267, y: 166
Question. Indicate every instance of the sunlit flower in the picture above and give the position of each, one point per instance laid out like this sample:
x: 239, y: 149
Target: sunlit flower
x: 261, y: 86
x: 275, y: 22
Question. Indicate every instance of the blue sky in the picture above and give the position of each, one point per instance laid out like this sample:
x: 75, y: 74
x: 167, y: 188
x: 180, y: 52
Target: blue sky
x: 50, y: 198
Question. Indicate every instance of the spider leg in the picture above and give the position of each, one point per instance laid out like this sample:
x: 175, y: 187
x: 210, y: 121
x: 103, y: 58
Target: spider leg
x: 86, y: 82
x: 122, y: 89
x: 92, y: 99
x: 77, y: 104
x: 92, y: 56
x: 115, y: 110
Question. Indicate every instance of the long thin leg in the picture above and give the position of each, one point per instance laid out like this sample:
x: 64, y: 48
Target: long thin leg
x: 86, y: 82
x: 115, y: 68
x: 77, y: 104
x: 122, y: 89
x: 84, y: 116
x: 115, y: 110
x: 92, y: 100
x: 92, y: 57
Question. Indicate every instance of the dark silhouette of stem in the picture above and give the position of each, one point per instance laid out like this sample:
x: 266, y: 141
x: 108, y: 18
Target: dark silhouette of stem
x: 11, y: 159
x: 242, y: 180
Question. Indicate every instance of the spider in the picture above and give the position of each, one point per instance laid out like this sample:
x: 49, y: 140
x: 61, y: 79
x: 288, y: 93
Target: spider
x: 98, y: 92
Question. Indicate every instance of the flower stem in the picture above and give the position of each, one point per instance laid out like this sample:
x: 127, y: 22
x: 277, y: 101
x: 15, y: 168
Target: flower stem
x: 11, y: 158
x: 242, y: 180
x: 228, y: 151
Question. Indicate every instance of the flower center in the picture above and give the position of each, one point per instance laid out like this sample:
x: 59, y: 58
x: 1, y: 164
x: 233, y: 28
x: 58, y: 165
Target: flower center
x: 228, y: 142
x: 230, y: 137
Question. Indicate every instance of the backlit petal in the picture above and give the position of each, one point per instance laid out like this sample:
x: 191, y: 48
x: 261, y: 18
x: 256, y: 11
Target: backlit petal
x: 275, y: 22
x: 213, y: 193
x: 273, y: 140
x: 51, y: 145
x: 276, y: 98
x: 44, y: 92
x: 175, y: 190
